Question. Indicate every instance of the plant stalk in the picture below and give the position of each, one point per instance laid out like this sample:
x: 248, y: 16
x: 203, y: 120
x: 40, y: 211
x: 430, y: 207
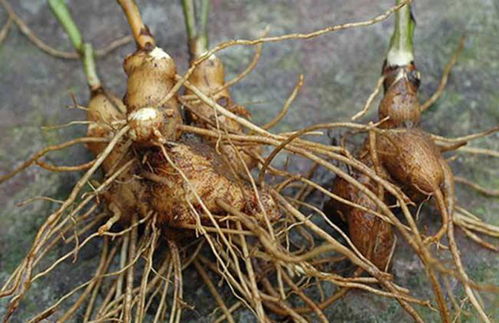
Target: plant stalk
x: 89, y: 67
x: 60, y: 10
x: 141, y: 33
x: 196, y: 26
x: 401, y: 52
x: 85, y: 50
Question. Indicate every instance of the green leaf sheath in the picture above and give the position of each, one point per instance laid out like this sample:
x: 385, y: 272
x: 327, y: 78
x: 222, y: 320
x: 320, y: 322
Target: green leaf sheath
x: 401, y: 50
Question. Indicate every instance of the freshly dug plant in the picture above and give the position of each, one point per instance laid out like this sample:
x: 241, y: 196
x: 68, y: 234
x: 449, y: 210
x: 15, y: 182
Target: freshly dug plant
x: 407, y: 153
x: 152, y: 147
x: 187, y: 170
x: 394, y: 156
x: 266, y: 267
x: 407, y: 156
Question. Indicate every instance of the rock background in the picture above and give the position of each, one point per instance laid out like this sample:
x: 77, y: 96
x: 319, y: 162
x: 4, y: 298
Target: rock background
x: 340, y: 71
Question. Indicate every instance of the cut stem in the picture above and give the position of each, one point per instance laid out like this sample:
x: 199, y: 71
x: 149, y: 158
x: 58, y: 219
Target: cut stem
x: 401, y: 50
x: 140, y: 32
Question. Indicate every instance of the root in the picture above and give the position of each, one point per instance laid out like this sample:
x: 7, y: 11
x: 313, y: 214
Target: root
x: 478, y: 188
x: 415, y: 243
x: 442, y: 207
x: 5, y: 30
x: 129, y: 278
x: 245, y: 72
x: 445, y: 76
x: 286, y: 105
x: 304, y: 267
x: 479, y: 151
x: 305, y: 298
x: 44, y: 151
x: 218, y: 298
x: 252, y: 279
x: 287, y: 310
x: 113, y: 45
x: 112, y: 220
x: 465, y: 139
x: 370, y: 268
x: 176, y: 310
x: 462, y: 219
x: 477, y: 239
x: 23, y: 276
x: 60, y: 169
x: 231, y: 309
x: 370, y: 99
x: 457, y: 260
x: 92, y: 287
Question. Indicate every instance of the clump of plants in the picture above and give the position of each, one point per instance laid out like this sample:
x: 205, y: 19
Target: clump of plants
x: 182, y: 179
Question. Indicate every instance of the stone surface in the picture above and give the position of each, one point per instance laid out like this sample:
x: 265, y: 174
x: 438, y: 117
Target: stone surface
x: 340, y: 71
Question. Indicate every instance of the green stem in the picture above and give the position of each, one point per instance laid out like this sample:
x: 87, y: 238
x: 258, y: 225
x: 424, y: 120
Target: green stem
x: 60, y: 10
x: 203, y: 30
x: 197, y: 31
x: 89, y: 67
x: 189, y: 18
x: 401, y: 50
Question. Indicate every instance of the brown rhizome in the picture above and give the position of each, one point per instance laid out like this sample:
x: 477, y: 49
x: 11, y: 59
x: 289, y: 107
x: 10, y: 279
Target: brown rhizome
x: 259, y: 136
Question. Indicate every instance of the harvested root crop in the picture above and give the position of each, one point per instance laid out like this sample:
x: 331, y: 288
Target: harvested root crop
x: 407, y: 156
x: 169, y: 209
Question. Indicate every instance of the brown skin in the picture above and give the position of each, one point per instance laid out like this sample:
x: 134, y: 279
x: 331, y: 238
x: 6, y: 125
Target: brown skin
x: 125, y: 194
x: 372, y: 236
x: 408, y: 153
x: 412, y: 159
x: 415, y: 163
x: 209, y: 77
x: 150, y: 78
x: 205, y: 169
x: 407, y: 156
x: 103, y: 109
x: 151, y: 75
x: 208, y: 176
x: 400, y: 102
